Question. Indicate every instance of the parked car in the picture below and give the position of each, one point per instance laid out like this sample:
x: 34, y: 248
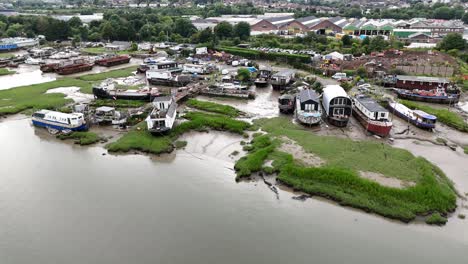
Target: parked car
x: 340, y: 76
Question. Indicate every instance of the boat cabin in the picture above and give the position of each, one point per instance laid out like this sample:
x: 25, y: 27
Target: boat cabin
x: 370, y: 108
x: 420, y: 82
x: 264, y: 71
x: 337, y: 105
x: 282, y: 78
x: 171, y: 66
x: 424, y: 117
x: 163, y: 115
x: 309, y: 100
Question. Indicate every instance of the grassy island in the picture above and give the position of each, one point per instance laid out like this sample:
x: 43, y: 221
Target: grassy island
x: 214, y: 107
x: 82, y: 138
x: 338, y: 178
x: 4, y: 71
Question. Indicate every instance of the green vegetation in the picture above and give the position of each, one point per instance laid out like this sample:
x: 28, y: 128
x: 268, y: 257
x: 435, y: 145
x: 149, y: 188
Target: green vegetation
x: 15, y: 100
x: 180, y: 144
x: 118, y: 103
x: 214, y: 107
x: 465, y: 149
x: 255, y: 54
x: 339, y: 180
x: 124, y: 72
x: 6, y: 55
x: 443, y: 115
x: 82, y: 137
x: 436, y: 219
x: 4, y: 71
x: 142, y: 140
x: 102, y: 50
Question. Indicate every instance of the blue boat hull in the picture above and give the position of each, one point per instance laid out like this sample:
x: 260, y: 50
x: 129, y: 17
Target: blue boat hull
x: 57, y: 126
x: 412, y: 121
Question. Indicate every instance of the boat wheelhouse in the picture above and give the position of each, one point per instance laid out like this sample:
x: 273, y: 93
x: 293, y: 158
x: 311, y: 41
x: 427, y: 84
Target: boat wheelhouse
x: 372, y: 116
x: 165, y: 77
x: 308, y: 109
x: 264, y: 75
x: 282, y: 79
x: 163, y: 115
x: 287, y: 103
x: 59, y: 121
x: 337, y: 105
x: 418, y: 118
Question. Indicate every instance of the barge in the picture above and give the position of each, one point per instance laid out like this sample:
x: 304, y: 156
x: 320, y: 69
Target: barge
x: 308, y: 109
x: 112, y: 60
x: 337, y: 105
x: 229, y: 90
x: 165, y: 77
x: 371, y: 115
x: 162, y: 117
x: 286, y: 103
x: 418, y: 118
x: 75, y: 66
x: 438, y: 96
x: 59, y: 121
x: 152, y: 64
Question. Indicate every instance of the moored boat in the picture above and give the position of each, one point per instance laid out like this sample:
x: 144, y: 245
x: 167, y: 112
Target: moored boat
x: 263, y: 76
x: 371, y: 115
x: 418, y: 118
x: 308, y: 109
x: 438, y: 96
x: 165, y: 77
x: 229, y: 90
x: 112, y: 60
x: 145, y: 94
x: 337, y: 105
x: 59, y: 121
x: 75, y: 66
x: 287, y: 103
x: 282, y: 79
x: 162, y: 117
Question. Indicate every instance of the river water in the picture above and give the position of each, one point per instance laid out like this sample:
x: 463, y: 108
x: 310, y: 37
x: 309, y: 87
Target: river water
x: 62, y: 203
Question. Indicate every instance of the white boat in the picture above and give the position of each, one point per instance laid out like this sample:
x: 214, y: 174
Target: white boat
x: 59, y: 121
x: 337, y: 105
x: 163, y: 115
x: 33, y: 61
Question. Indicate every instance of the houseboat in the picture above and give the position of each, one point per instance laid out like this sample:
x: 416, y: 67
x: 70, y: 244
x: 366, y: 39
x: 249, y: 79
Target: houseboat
x: 197, y: 68
x: 165, y: 77
x: 408, y: 82
x: 59, y: 121
x: 372, y: 116
x: 418, y: 118
x: 438, y: 96
x: 287, y: 103
x: 154, y: 64
x: 308, y: 108
x: 108, y: 115
x: 111, y: 91
x: 282, y: 79
x: 227, y: 89
x: 337, y: 105
x: 263, y: 77
x: 112, y: 60
x: 75, y: 66
x: 162, y: 117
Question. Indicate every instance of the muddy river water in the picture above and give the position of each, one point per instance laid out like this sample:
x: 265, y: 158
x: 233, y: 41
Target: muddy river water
x: 62, y: 203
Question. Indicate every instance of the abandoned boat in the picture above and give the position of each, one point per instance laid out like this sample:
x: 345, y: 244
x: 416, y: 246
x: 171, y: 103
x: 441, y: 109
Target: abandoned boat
x: 418, y: 118
x: 287, y: 103
x: 282, y: 79
x: 162, y: 117
x: 308, y: 109
x: 263, y: 77
x: 337, y: 105
x: 165, y: 77
x: 75, y: 66
x: 154, y: 64
x: 108, y: 115
x: 229, y: 89
x: 111, y: 92
x: 438, y: 96
x: 59, y: 121
x: 372, y: 116
x: 112, y: 60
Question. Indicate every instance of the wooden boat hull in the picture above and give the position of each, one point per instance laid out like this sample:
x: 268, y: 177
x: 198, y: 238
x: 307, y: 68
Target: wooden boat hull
x: 379, y: 128
x: 75, y: 69
x: 167, y: 82
x: 429, y: 99
x: 112, y: 62
x: 308, y: 120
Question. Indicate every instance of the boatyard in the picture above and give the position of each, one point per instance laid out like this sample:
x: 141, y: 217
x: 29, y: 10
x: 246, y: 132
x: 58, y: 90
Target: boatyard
x: 201, y: 141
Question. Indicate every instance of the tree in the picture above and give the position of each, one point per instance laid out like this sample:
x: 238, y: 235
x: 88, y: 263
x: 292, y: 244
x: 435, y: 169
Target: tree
x: 134, y: 47
x: 465, y: 18
x: 76, y: 41
x: 443, y: 12
x: 346, y: 39
x: 184, y: 27
x: 243, y: 74
x: 453, y: 41
x: 75, y: 22
x: 205, y: 36
x: 95, y: 36
x: 107, y: 31
x: 377, y: 43
x: 15, y: 30
x: 223, y: 30
x: 242, y: 30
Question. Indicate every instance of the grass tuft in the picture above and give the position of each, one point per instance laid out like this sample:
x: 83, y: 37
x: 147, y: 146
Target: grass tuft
x: 82, y: 137
x: 214, y: 107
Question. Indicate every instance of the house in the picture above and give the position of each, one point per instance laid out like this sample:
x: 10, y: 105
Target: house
x: 420, y: 82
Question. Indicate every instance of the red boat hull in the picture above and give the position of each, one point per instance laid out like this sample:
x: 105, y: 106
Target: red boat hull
x: 380, y: 128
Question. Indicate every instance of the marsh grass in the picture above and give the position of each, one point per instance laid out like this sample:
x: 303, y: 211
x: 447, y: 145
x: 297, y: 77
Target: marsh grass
x: 339, y: 180
x: 214, y: 107
x: 82, y: 137
x: 436, y: 219
x: 4, y: 71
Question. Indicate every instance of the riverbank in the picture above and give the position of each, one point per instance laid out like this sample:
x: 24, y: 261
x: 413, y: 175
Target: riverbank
x: 339, y: 180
